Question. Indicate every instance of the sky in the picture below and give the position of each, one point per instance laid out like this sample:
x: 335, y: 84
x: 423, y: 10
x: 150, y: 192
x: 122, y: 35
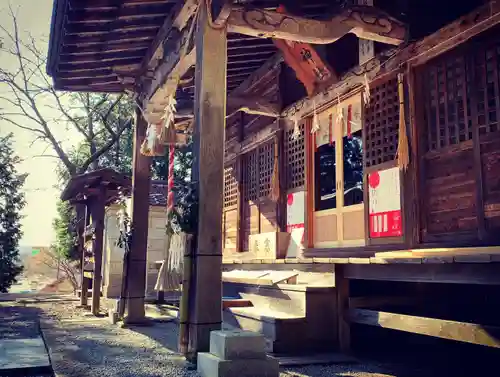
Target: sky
x: 40, y: 191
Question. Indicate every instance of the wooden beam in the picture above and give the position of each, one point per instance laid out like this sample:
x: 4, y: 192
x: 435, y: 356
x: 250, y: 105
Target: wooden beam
x: 96, y: 48
x: 116, y: 26
x: 137, y: 265
x: 452, y: 273
x: 260, y: 74
x: 116, y: 14
x: 208, y: 175
x: 439, y: 328
x: 252, y: 105
x: 364, y: 21
x: 110, y: 38
x: 178, y: 18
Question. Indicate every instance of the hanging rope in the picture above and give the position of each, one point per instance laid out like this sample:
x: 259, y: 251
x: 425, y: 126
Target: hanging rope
x: 211, y: 23
x: 403, y: 153
x: 170, y: 182
x: 274, y: 195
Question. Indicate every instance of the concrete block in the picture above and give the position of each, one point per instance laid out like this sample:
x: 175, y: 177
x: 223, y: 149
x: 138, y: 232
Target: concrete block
x: 236, y: 344
x: 212, y: 366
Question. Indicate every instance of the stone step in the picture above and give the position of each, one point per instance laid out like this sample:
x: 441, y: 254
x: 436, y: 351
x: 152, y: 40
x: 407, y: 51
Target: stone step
x: 271, y: 298
x: 212, y: 366
x: 237, y: 344
x: 272, y: 325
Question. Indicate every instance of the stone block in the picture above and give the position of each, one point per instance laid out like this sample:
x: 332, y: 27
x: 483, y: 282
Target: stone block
x: 237, y: 344
x: 212, y: 366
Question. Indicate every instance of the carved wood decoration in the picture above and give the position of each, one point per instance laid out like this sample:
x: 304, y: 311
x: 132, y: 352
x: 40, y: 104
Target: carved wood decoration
x: 295, y: 158
x: 366, y: 22
x: 382, y: 123
x: 309, y: 68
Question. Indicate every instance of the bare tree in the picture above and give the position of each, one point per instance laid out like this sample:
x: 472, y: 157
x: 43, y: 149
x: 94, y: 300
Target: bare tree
x: 30, y: 102
x: 65, y: 268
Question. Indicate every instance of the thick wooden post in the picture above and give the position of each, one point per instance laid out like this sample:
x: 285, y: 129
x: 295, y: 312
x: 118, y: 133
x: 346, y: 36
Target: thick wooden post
x: 343, y: 327
x: 97, y: 208
x: 136, y: 275
x: 208, y: 176
x: 83, y: 217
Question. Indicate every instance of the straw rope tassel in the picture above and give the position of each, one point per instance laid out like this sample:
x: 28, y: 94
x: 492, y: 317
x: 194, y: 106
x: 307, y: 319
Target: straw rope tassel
x: 275, y: 182
x: 403, y: 154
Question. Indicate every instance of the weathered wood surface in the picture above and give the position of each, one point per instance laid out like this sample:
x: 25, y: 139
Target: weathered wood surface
x: 453, y: 273
x: 366, y: 22
x: 208, y: 176
x: 97, y: 212
x: 342, y: 290
x: 452, y: 330
x: 136, y: 274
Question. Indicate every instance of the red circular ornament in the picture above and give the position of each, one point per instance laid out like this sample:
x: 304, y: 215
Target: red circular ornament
x: 289, y: 199
x: 374, y: 180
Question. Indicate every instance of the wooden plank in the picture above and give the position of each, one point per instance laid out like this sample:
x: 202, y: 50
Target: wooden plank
x: 208, y: 175
x: 439, y: 328
x: 452, y: 273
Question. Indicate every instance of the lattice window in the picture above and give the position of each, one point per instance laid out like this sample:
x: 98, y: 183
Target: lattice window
x: 266, y: 165
x: 251, y: 176
x: 487, y: 93
x: 382, y: 123
x: 230, y: 186
x: 295, y: 159
x: 446, y: 88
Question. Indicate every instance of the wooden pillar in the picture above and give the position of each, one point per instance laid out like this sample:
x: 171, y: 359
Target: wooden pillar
x: 208, y: 177
x: 343, y: 327
x: 136, y: 275
x: 97, y: 210
x: 83, y: 218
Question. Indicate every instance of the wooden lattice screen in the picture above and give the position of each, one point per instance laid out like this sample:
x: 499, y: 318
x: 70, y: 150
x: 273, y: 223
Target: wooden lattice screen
x: 258, y: 169
x: 461, y: 102
x: 382, y: 122
x: 230, y: 186
x: 295, y: 158
x: 447, y: 103
x: 251, y: 175
x: 266, y: 164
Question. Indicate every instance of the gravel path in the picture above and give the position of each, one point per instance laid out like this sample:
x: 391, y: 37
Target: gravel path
x: 87, y: 346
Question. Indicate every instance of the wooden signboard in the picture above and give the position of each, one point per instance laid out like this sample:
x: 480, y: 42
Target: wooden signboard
x: 385, y: 203
x: 295, y: 220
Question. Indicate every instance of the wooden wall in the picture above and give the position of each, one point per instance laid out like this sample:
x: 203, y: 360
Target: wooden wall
x: 460, y: 143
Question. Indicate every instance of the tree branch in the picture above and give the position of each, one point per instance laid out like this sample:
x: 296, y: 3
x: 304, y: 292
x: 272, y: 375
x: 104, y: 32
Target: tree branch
x: 104, y: 148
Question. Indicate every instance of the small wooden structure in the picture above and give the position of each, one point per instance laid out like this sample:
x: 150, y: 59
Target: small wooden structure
x: 90, y: 193
x: 371, y: 129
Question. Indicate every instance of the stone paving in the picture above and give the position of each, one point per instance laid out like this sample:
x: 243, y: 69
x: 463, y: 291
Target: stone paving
x: 22, y: 349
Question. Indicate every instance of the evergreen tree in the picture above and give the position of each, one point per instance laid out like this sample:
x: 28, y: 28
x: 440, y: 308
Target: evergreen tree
x: 11, y: 204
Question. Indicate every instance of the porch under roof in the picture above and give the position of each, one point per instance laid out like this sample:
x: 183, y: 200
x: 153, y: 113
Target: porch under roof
x: 107, y: 45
